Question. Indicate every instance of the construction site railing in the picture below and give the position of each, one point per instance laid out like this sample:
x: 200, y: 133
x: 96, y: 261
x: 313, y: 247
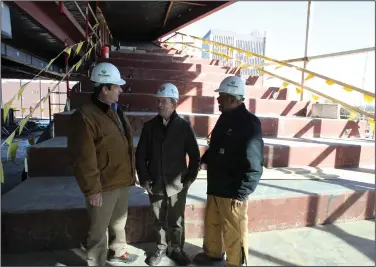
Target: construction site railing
x: 286, y: 63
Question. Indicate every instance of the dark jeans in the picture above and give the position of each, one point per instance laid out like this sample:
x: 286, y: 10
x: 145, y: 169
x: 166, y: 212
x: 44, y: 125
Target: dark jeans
x: 169, y: 219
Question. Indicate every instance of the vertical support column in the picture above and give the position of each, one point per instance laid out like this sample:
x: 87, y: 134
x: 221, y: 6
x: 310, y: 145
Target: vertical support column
x: 40, y: 97
x: 92, y: 21
x: 87, y: 20
x: 49, y: 104
x: 66, y: 71
x: 61, y: 5
x: 263, y: 53
x: 22, y: 115
x: 306, y: 45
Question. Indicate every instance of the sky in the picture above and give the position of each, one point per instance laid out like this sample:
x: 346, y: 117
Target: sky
x: 334, y: 27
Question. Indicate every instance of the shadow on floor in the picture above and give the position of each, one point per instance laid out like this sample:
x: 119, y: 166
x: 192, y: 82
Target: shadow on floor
x: 73, y: 257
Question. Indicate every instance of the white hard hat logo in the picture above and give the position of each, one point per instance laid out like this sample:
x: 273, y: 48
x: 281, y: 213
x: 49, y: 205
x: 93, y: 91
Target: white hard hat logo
x: 168, y: 90
x: 232, y: 84
x: 104, y: 74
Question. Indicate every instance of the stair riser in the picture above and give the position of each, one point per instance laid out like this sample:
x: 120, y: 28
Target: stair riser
x: 172, y: 75
x: 143, y: 64
x: 66, y: 229
x: 166, y: 58
x: 336, y: 156
x: 165, y: 51
x: 191, y: 88
x: 205, y: 105
x: 271, y: 127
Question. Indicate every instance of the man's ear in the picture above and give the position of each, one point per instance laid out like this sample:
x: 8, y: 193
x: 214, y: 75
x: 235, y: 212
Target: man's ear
x: 105, y: 89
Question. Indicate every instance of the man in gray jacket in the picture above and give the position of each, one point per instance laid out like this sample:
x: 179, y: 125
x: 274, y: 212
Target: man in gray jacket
x: 162, y: 170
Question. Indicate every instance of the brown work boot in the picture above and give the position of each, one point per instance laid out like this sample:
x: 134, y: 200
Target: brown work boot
x: 180, y: 257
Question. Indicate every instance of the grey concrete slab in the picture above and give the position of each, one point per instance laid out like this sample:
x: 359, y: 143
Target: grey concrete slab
x: 63, y: 192
x: 61, y: 142
x: 344, y: 244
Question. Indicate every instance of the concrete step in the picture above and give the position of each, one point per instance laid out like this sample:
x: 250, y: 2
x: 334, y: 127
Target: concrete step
x: 172, y: 75
x: 54, y: 210
x: 362, y: 174
x: 278, y: 152
x: 160, y: 65
x: 202, y: 104
x: 300, y: 127
x: 347, y: 244
x: 147, y: 86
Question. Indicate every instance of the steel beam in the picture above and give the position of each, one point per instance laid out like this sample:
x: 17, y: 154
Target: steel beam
x: 63, y: 26
x: 26, y: 59
x: 175, y: 29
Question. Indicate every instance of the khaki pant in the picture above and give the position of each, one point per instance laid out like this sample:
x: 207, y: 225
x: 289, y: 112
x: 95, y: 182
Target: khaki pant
x: 226, y: 230
x: 169, y: 217
x: 112, y: 215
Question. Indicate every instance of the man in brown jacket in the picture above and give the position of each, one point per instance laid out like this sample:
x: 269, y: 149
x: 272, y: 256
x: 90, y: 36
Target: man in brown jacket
x: 101, y: 147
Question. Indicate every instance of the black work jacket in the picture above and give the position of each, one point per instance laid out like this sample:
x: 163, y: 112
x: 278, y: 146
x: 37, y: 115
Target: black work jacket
x: 161, y: 155
x: 235, y: 156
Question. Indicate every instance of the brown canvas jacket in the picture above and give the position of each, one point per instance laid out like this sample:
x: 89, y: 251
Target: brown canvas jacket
x: 102, y: 156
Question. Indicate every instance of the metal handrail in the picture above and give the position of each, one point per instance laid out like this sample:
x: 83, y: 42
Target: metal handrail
x: 282, y: 78
x: 287, y: 65
x: 83, y: 15
x: 92, y: 13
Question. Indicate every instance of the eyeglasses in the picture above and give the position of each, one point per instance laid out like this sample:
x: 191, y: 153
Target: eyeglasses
x: 163, y: 101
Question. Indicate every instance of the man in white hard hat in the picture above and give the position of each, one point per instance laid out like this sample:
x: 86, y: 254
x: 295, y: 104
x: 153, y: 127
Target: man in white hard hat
x: 103, y: 160
x: 162, y: 170
x: 234, y: 167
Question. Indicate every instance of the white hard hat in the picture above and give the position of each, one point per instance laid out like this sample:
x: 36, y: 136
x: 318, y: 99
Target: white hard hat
x: 168, y: 90
x: 106, y: 73
x: 232, y: 85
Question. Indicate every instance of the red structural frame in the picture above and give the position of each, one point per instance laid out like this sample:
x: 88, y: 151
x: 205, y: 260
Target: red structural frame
x: 55, y: 18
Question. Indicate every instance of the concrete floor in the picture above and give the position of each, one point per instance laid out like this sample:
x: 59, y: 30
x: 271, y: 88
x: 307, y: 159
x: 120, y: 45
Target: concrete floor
x: 351, y: 244
x: 13, y: 169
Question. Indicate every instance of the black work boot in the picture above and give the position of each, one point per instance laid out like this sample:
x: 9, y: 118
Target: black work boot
x: 203, y: 260
x: 156, y: 258
x: 180, y: 257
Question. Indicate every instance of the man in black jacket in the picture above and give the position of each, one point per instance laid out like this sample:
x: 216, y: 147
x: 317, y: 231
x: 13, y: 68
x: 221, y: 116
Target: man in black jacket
x: 162, y: 170
x: 234, y: 167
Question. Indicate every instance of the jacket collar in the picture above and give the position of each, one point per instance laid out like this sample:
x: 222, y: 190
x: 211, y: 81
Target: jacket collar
x: 100, y: 104
x: 172, y: 117
x: 241, y: 108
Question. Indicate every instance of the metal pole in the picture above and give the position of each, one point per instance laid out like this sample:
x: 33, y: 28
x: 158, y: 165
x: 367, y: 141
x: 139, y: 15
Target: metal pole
x: 87, y: 20
x: 49, y: 104
x: 21, y: 101
x: 59, y: 97
x: 66, y: 71
x: 264, y: 50
x: 40, y: 97
x: 306, y: 45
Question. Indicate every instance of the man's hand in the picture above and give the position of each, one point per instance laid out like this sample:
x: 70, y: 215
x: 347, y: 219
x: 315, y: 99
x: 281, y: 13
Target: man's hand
x: 201, y: 166
x: 147, y: 187
x: 236, y: 204
x: 95, y: 200
x: 187, y: 184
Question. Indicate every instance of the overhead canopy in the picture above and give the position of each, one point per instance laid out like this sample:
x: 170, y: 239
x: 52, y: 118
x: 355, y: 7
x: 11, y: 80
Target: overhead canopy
x: 143, y: 21
x: 41, y: 30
